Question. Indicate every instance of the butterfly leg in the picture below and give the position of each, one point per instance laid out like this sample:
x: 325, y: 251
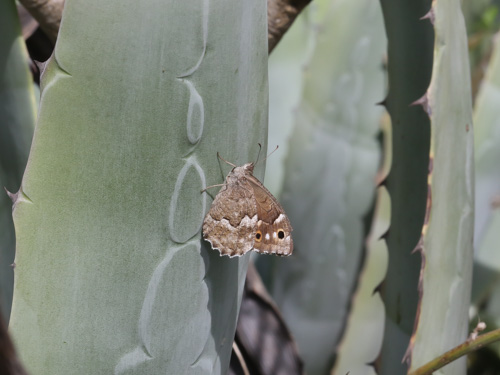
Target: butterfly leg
x: 211, y: 186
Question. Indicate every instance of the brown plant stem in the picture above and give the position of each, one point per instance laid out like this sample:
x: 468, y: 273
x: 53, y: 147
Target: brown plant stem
x: 280, y: 16
x: 48, y: 13
x: 280, y: 13
x: 457, y: 352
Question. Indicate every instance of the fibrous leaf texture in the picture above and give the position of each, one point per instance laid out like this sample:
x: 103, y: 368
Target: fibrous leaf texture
x: 487, y: 154
x: 329, y: 179
x: 112, y: 276
x: 410, y: 42
x: 446, y: 242
x: 17, y: 120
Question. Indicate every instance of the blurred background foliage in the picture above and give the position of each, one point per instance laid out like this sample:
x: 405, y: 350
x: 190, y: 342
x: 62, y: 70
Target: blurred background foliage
x: 335, y: 148
x: 287, y: 75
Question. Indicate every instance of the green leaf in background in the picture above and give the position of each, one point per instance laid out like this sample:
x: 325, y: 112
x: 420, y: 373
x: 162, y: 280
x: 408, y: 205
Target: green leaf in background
x: 17, y: 119
x: 112, y: 275
x: 409, y: 66
x: 285, y: 84
x: 487, y: 147
x: 486, y: 275
x: 446, y: 245
x: 286, y: 75
x: 361, y: 343
x: 330, y: 178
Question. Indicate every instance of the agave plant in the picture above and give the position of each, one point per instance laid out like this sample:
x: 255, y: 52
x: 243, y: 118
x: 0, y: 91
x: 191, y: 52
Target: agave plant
x: 111, y: 272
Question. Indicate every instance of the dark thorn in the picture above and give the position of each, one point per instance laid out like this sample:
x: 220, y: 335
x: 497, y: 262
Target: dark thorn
x: 385, y: 234
x: 378, y: 288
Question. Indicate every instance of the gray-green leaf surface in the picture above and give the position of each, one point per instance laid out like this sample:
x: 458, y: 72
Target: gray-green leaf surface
x: 112, y: 275
x: 447, y: 237
x: 330, y: 178
x: 409, y: 67
x: 17, y: 119
x: 487, y: 154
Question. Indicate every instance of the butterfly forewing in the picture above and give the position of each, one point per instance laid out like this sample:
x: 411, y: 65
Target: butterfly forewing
x: 230, y: 224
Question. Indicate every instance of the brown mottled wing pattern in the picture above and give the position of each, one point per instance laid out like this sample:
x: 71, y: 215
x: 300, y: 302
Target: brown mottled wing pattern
x: 274, y: 232
x: 231, y: 222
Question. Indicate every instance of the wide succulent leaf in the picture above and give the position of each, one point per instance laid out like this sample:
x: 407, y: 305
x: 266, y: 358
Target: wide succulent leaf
x: 112, y: 275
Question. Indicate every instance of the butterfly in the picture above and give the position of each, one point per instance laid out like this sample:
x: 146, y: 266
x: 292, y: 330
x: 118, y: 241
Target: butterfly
x: 245, y: 216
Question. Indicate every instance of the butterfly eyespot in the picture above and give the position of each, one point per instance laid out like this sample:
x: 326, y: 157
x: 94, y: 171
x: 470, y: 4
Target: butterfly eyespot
x: 258, y: 236
x: 281, y: 234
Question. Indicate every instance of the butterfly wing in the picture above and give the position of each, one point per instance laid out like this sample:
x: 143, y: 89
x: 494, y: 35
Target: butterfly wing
x: 232, y: 220
x: 274, y: 232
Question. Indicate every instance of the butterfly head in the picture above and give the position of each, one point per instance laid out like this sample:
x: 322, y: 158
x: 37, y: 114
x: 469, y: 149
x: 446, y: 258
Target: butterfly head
x: 238, y: 173
x: 248, y: 167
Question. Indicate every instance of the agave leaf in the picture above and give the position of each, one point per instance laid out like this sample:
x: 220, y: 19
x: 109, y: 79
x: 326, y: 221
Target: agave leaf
x: 409, y: 65
x: 17, y: 119
x: 446, y: 244
x: 287, y: 64
x: 487, y: 145
x: 486, y: 275
x: 112, y: 275
x: 330, y: 178
x: 285, y: 83
x: 286, y: 67
x: 362, y: 340
x: 486, y: 285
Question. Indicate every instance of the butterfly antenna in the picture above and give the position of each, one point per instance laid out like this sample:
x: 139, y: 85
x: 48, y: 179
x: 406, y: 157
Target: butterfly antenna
x: 272, y: 152
x: 258, y: 155
x: 224, y: 160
